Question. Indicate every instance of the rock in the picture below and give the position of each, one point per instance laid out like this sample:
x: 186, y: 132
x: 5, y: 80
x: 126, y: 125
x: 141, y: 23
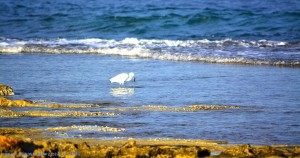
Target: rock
x: 5, y: 102
x: 261, y: 151
x: 238, y: 151
x: 7, y: 143
x: 129, y: 144
x: 15, y: 145
x: 129, y: 148
x: 162, y: 151
x: 203, y: 152
x: 80, y: 148
x: 6, y: 90
x: 16, y: 103
x: 22, y: 103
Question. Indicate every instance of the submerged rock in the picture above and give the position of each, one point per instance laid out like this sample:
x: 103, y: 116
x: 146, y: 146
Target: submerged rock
x: 38, y: 113
x: 6, y: 90
x: 192, y: 108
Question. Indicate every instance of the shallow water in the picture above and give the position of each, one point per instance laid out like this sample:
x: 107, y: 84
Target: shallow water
x: 267, y: 98
x: 185, y: 55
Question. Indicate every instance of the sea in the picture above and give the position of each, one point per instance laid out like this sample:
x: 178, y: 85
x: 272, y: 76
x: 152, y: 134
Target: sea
x: 226, y: 70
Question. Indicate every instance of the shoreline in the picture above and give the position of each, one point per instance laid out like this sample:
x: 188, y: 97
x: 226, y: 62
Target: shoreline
x: 40, y: 142
x: 20, y: 142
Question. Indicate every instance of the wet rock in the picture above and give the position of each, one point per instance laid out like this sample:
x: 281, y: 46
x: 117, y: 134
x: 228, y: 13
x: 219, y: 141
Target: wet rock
x: 129, y: 144
x: 55, y: 106
x: 260, y: 151
x: 80, y: 148
x: 16, y: 103
x: 162, y: 151
x: 5, y: 102
x: 38, y: 113
x: 239, y: 151
x: 7, y: 143
x: 209, y: 107
x: 16, y: 146
x: 6, y: 90
x: 129, y: 149
x: 192, y: 108
x: 280, y: 151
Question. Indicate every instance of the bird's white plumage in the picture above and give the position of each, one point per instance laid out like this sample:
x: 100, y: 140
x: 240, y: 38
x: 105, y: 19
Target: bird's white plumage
x: 121, y: 78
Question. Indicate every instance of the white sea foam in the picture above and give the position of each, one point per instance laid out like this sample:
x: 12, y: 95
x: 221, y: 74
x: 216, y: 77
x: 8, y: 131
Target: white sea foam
x: 218, y: 51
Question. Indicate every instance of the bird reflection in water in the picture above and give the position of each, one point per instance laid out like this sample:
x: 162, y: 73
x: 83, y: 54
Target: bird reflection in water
x: 121, y: 91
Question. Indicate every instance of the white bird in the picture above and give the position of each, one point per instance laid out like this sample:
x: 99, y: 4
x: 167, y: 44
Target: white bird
x: 121, y: 78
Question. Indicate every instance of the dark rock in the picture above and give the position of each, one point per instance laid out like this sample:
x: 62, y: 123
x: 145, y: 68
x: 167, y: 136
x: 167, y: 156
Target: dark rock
x: 203, y: 153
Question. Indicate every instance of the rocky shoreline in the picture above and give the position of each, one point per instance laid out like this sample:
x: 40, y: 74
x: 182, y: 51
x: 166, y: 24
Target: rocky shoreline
x: 15, y: 146
x: 37, y: 142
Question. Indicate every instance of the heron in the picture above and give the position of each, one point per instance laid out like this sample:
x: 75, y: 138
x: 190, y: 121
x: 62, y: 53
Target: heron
x: 123, y: 77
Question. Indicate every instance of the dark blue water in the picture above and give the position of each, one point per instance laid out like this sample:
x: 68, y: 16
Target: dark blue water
x: 247, y: 20
x: 231, y: 53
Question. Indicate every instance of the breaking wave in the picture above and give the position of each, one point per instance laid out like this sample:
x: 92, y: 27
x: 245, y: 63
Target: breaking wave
x: 262, y: 52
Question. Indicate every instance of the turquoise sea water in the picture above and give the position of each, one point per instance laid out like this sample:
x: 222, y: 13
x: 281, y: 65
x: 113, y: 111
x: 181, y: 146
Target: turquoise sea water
x: 244, y: 54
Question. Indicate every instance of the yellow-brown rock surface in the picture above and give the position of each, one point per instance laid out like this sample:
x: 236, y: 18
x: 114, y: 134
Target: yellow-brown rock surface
x: 6, y: 90
x: 16, y: 103
x: 261, y: 151
x: 16, y: 147
x: 14, y: 144
x: 8, y: 142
